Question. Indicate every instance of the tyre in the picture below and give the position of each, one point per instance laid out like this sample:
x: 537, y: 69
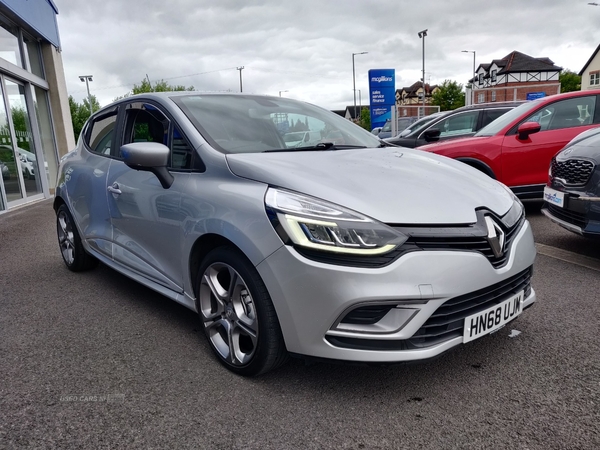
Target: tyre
x: 237, y: 314
x: 71, y: 248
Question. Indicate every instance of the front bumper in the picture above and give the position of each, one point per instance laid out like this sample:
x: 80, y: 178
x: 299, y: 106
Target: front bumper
x: 580, y: 214
x: 311, y: 297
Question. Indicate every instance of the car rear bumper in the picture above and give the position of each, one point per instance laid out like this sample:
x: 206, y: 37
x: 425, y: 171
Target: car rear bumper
x: 313, y: 299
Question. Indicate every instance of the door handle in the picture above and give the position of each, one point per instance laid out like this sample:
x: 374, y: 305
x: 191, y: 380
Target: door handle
x: 114, y: 189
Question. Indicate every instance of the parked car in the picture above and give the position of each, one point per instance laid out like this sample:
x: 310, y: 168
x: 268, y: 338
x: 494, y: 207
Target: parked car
x: 460, y: 122
x: 516, y: 148
x: 402, y: 124
x: 417, y: 124
x: 300, y: 138
x: 5, y: 171
x: 572, y: 196
x: 347, y: 251
x: 28, y: 163
x: 376, y: 131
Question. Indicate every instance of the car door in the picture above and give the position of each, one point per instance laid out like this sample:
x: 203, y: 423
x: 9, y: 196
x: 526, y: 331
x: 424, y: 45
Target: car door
x: 86, y: 184
x: 146, y: 219
x: 453, y: 126
x: 525, y: 162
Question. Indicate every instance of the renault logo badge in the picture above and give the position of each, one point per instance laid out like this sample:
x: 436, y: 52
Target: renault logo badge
x: 495, y: 237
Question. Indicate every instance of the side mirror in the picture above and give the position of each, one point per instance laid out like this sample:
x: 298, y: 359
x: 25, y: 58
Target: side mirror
x: 432, y: 135
x: 527, y: 128
x: 150, y: 157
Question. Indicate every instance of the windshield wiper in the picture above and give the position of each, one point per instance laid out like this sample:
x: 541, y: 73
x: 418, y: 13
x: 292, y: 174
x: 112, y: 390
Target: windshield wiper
x: 321, y: 146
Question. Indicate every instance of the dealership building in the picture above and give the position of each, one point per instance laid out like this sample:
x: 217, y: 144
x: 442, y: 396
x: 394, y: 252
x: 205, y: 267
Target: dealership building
x: 35, y: 120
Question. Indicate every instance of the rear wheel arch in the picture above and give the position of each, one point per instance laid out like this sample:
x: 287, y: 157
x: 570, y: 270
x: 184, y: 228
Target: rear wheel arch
x: 479, y: 165
x: 58, y: 202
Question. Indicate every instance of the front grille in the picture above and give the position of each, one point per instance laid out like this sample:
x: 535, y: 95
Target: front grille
x: 447, y: 322
x: 476, y: 242
x: 574, y: 172
x: 566, y: 215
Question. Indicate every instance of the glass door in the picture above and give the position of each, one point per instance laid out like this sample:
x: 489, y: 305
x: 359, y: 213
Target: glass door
x: 23, y: 135
x: 12, y: 185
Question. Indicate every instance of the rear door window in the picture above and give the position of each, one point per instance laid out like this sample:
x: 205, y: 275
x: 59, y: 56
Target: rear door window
x: 100, y: 132
x: 458, y: 124
x: 490, y: 115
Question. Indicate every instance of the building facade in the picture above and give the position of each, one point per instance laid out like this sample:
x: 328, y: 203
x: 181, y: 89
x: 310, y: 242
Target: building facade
x: 515, y: 77
x: 409, y: 100
x: 590, y: 74
x: 35, y: 120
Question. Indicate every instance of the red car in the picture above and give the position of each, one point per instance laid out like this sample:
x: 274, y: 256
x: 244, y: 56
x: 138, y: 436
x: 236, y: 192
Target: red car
x: 516, y: 148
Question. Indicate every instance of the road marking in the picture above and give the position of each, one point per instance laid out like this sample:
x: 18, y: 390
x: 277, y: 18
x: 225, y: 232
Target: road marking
x: 567, y: 256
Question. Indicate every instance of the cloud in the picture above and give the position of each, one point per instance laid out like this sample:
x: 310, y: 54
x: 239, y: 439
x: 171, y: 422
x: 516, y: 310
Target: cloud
x: 305, y: 47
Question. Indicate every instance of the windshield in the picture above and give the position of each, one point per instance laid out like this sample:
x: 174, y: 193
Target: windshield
x: 387, y: 126
x: 505, y: 119
x: 252, y: 124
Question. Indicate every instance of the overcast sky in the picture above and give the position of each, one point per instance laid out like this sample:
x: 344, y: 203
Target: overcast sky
x: 305, y: 46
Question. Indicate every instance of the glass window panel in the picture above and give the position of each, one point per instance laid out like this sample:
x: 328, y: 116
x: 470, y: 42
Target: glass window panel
x: 32, y: 47
x: 102, y: 132
x: 24, y: 138
x: 9, y: 43
x: 42, y: 110
x: 8, y: 164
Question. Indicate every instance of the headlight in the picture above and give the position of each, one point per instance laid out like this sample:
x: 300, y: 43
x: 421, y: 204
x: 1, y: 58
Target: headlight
x: 316, y: 224
x: 515, y: 212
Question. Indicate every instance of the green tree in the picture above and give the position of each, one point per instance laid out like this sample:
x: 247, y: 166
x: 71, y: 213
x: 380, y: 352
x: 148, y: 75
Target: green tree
x: 449, y: 95
x: 80, y: 112
x: 159, y: 86
x: 365, y: 119
x: 569, y: 81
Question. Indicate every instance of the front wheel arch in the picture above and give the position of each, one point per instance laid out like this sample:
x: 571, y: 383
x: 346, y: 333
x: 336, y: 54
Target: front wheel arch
x: 479, y: 165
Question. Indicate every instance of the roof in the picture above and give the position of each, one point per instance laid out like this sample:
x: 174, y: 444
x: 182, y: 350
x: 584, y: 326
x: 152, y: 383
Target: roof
x: 590, y: 60
x: 350, y: 110
x: 520, y: 62
x: 412, y: 90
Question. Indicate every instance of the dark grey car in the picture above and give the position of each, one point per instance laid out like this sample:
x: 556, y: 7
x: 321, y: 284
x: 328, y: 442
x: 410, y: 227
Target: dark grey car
x: 343, y: 249
x: 460, y: 122
x: 572, y: 196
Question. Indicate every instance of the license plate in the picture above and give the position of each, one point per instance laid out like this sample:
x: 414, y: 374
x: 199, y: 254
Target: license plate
x: 554, y: 197
x: 493, y: 318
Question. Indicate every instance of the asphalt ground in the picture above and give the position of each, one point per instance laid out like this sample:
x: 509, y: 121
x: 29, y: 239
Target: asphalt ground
x: 94, y: 360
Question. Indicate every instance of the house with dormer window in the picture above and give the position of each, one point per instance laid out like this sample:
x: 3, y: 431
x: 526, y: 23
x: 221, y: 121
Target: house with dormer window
x: 517, y: 76
x: 409, y: 100
x: 590, y: 74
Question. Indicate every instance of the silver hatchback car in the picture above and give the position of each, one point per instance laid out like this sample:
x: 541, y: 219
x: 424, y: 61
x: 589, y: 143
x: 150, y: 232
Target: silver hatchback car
x: 341, y: 249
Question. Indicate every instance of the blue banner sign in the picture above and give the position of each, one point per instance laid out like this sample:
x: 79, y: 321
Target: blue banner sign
x: 382, y: 93
x: 534, y: 95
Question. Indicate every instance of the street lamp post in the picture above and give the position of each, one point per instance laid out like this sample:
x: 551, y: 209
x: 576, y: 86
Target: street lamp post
x: 354, y: 79
x: 281, y: 92
x: 359, y: 101
x: 422, y: 35
x: 85, y: 79
x: 240, y: 69
x: 474, y: 76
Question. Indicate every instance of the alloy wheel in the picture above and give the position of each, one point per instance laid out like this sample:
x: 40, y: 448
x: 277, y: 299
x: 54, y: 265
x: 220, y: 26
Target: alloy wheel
x: 66, y: 238
x: 228, y: 313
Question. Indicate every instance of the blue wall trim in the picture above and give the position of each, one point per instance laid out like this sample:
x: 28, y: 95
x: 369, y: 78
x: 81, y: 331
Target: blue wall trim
x: 39, y: 15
